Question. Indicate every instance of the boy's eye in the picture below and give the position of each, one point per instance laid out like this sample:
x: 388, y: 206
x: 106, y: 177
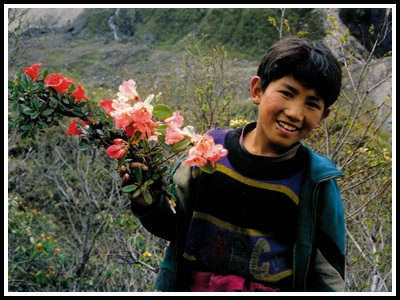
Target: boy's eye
x: 313, y: 104
x: 287, y: 94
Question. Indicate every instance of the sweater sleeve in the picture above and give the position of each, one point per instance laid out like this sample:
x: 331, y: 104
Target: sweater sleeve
x: 328, y: 260
x: 158, y: 218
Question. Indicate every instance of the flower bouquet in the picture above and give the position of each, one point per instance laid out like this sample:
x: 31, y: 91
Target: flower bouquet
x: 129, y: 129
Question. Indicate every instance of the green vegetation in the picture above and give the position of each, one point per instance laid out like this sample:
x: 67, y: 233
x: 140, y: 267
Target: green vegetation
x: 245, y: 33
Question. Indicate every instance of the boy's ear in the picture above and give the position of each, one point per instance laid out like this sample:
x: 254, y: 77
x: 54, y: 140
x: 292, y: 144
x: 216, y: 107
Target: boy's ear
x: 255, y: 90
x: 325, y: 114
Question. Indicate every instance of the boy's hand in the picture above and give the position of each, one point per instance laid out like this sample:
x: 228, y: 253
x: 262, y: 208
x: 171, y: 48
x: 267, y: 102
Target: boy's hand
x: 127, y: 180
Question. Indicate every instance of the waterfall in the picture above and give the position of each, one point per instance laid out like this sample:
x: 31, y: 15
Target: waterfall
x: 112, y: 24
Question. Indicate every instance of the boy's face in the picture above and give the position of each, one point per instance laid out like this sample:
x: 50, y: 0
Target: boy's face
x: 288, y: 112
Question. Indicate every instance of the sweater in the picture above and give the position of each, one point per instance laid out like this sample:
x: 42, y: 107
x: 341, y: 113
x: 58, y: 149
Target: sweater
x: 317, y: 255
x: 245, y: 217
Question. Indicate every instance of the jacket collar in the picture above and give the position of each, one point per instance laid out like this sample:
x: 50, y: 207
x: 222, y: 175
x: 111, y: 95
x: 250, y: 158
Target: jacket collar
x: 321, y: 167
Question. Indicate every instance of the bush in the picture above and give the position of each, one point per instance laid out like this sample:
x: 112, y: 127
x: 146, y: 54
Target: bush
x: 36, y: 261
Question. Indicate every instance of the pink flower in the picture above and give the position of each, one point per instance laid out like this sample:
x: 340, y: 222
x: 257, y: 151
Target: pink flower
x: 195, y: 158
x: 107, y: 105
x: 127, y: 91
x: 176, y: 118
x: 33, y: 71
x: 174, y: 134
x: 133, y: 118
x: 204, y: 150
x: 124, y: 113
x: 141, y: 112
x: 118, y: 149
x: 147, y: 128
x: 121, y: 113
x: 79, y: 94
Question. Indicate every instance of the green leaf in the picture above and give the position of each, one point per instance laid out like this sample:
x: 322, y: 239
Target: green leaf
x: 164, y: 145
x: 20, y: 71
x: 121, y: 161
x: 14, y: 106
x: 110, y: 273
x: 147, y: 197
x: 136, y: 194
x: 42, y: 107
x: 81, y: 104
x: 162, y: 111
x: 25, y: 135
x: 65, y: 100
x: 149, y: 182
x: 36, y: 103
x: 180, y: 146
x: 208, y: 168
x: 136, y: 137
x: 162, y: 128
x: 29, y: 81
x: 26, y: 127
x: 78, y: 113
x: 34, y: 254
x: 45, y: 73
x: 47, y: 112
x: 53, y: 100
x: 144, y: 143
x: 100, y: 132
x: 23, y: 82
x: 129, y: 188
x: 138, y: 174
x: 28, y: 111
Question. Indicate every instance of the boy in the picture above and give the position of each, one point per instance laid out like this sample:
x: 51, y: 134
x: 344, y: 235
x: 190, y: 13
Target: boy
x: 270, y: 218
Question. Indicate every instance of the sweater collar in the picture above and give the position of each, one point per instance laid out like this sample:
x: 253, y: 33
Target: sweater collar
x: 284, y: 156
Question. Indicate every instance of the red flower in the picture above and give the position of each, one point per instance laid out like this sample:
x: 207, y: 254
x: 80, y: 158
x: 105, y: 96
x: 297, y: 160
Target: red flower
x: 73, y: 127
x: 117, y: 150
x: 79, y: 94
x: 33, y: 71
x: 58, y: 82
x: 107, y: 105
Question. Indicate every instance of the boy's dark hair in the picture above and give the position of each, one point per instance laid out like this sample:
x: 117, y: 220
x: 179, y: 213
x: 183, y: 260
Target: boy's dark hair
x: 310, y: 62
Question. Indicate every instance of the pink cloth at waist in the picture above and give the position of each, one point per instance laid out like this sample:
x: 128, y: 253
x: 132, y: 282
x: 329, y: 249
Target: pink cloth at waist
x: 210, y: 282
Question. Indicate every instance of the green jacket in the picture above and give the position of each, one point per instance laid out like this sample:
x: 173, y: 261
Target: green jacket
x: 319, y: 252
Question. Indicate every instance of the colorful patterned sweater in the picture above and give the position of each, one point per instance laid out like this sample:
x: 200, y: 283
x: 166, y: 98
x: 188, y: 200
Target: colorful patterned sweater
x: 317, y: 263
x: 245, y: 214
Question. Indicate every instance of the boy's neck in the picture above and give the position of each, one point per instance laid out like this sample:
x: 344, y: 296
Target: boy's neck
x: 256, y: 146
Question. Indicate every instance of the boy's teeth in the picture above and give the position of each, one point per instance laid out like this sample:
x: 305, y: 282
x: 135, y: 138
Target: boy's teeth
x: 287, y: 127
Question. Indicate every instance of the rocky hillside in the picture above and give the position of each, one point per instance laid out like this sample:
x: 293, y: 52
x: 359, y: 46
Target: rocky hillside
x: 49, y: 17
x: 102, y: 47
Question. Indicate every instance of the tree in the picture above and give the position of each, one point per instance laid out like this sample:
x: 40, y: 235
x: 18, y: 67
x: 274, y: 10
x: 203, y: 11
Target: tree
x: 208, y: 84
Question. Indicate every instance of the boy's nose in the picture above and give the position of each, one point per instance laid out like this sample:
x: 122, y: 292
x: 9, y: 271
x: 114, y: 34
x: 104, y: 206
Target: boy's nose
x: 294, y: 113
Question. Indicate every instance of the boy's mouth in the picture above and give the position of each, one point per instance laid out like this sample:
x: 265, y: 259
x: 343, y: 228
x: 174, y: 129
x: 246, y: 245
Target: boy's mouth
x: 286, y: 126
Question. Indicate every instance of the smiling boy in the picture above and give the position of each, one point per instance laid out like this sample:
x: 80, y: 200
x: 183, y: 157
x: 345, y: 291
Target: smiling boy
x: 288, y: 112
x: 270, y: 218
